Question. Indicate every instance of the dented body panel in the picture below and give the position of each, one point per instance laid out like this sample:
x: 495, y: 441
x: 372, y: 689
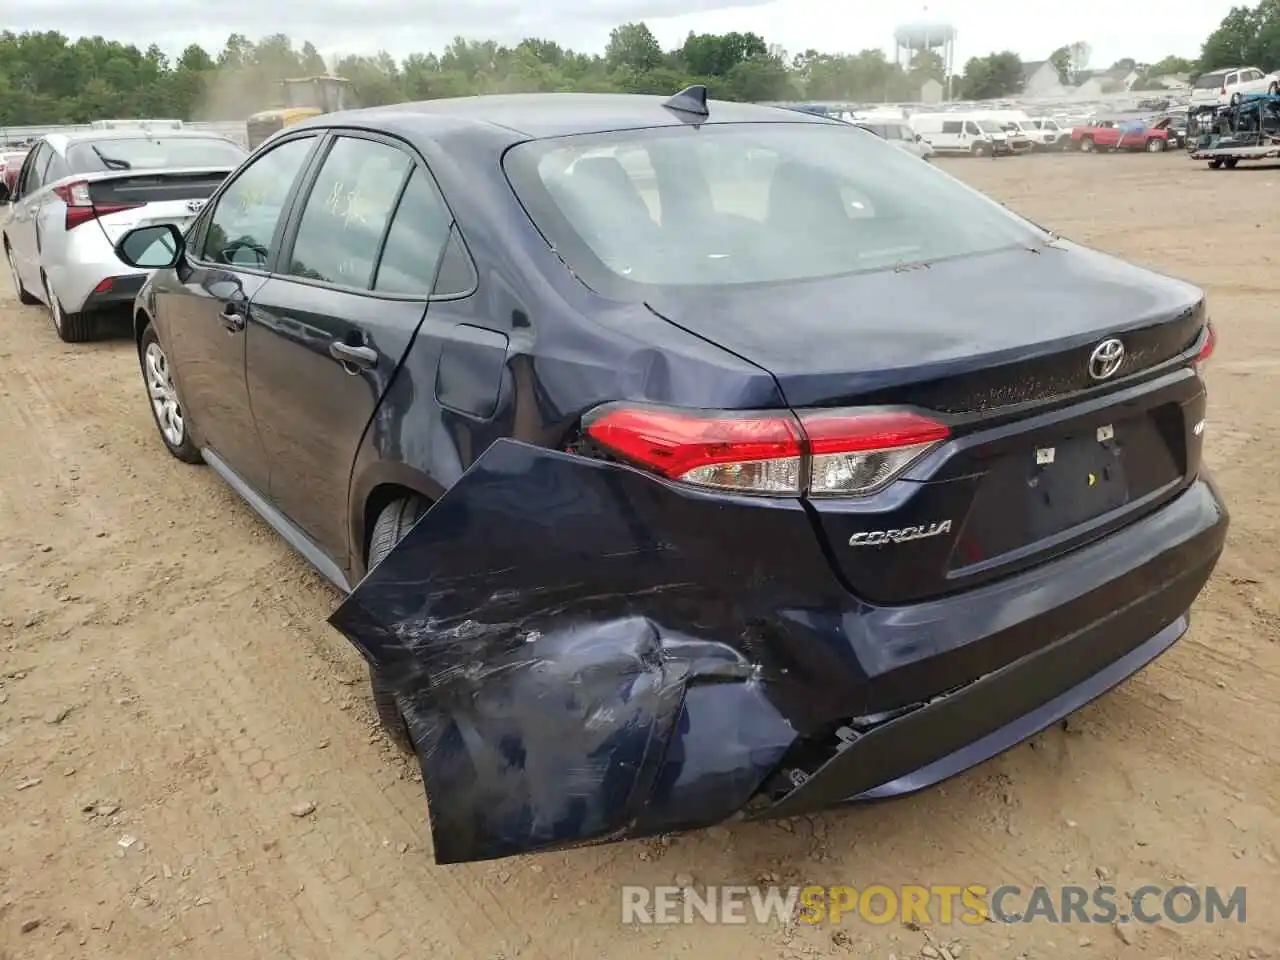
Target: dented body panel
x: 586, y: 653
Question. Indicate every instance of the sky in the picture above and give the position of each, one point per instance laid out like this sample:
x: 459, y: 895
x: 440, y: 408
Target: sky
x: 1114, y: 28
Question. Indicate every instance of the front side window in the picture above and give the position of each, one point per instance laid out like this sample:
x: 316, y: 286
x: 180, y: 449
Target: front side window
x: 971, y: 128
x: 748, y: 203
x: 347, y: 212
x: 244, y: 219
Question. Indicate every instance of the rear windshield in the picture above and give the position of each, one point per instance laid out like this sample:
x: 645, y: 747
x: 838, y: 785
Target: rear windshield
x: 152, y: 153
x: 746, y: 203
x: 1207, y: 81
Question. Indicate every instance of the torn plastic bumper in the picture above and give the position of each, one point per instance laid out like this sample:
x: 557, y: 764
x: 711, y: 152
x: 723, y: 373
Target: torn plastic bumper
x: 586, y: 654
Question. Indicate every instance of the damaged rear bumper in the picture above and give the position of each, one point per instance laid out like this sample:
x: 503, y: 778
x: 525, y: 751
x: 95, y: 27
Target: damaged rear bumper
x: 586, y: 654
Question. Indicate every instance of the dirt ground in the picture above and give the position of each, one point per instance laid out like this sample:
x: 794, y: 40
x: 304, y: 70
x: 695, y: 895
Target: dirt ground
x: 169, y: 692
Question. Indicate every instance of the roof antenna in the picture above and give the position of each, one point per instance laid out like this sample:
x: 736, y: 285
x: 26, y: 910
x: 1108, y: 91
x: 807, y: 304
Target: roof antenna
x: 692, y: 99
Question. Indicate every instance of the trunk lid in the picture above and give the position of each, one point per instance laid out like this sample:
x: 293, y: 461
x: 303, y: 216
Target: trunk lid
x: 1044, y: 457
x: 153, y: 196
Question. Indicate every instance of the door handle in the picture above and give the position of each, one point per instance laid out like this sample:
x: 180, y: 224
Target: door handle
x: 353, y: 356
x: 232, y: 317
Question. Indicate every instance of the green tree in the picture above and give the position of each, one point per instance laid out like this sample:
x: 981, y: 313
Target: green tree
x: 1247, y: 35
x: 995, y: 75
x: 633, y: 46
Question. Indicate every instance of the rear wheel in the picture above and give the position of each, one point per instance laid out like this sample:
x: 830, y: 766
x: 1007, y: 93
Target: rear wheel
x: 1215, y: 163
x: 1087, y: 145
x: 1230, y: 162
x: 392, y: 524
x: 71, y: 327
x: 19, y: 290
x: 1273, y: 89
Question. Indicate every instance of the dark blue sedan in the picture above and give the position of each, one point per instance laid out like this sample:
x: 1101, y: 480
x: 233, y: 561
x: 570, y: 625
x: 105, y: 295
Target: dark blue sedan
x: 683, y: 459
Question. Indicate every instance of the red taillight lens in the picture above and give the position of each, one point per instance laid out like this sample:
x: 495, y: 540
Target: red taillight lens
x: 826, y: 453
x: 854, y: 452
x: 1208, y: 346
x: 80, y: 205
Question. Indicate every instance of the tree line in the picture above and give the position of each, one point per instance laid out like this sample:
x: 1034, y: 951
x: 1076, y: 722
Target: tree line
x: 47, y: 78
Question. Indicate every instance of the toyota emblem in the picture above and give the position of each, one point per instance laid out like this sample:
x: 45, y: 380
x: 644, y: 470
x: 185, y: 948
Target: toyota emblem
x: 195, y: 206
x: 1106, y: 359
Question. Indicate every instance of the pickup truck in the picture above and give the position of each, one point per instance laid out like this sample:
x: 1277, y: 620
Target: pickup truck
x: 1113, y: 135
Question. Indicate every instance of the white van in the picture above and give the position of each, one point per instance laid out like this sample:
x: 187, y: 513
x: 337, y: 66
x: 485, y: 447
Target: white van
x: 1023, y: 137
x: 961, y: 133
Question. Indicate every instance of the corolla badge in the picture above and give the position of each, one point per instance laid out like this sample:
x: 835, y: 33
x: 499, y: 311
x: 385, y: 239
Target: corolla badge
x: 1106, y: 359
x: 873, y: 538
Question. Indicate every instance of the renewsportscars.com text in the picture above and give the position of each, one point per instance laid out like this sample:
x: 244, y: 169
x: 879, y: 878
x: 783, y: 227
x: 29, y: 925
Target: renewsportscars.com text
x: 930, y: 905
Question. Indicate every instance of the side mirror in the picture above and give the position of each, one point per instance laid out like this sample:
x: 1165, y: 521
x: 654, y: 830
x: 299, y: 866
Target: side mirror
x: 919, y: 138
x: 156, y: 247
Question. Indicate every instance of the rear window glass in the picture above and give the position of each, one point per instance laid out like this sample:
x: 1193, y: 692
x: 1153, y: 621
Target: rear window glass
x: 153, y: 153
x: 746, y: 203
x: 1207, y: 81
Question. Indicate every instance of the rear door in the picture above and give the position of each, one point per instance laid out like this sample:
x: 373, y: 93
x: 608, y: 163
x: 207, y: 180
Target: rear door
x: 329, y: 329
x: 203, y: 307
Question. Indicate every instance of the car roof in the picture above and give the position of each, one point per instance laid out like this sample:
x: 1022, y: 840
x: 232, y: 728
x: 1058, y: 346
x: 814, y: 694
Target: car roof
x: 541, y: 115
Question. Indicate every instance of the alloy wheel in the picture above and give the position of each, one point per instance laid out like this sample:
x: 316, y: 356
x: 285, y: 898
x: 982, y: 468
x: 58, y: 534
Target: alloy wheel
x: 164, y: 397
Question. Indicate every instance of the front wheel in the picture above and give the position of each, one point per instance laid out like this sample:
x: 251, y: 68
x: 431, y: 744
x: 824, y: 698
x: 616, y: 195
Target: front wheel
x: 979, y: 149
x: 395, y: 520
x: 19, y: 290
x: 1215, y: 163
x: 166, y: 408
x: 1155, y: 145
x: 1230, y: 162
x: 1273, y: 89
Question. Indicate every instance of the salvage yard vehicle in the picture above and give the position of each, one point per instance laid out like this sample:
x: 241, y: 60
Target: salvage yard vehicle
x: 964, y: 134
x: 687, y: 458
x: 1116, y: 135
x: 898, y: 133
x: 76, y: 194
x: 301, y: 99
x: 1222, y: 87
x: 1250, y: 130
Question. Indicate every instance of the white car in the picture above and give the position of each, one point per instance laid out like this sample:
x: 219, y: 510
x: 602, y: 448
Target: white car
x: 77, y: 194
x: 898, y: 133
x: 1219, y: 87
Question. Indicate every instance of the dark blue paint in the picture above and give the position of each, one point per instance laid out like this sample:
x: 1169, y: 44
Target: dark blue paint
x: 586, y: 652
x: 559, y: 624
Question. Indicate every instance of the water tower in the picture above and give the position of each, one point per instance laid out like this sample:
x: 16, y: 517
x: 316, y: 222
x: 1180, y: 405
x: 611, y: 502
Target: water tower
x: 912, y: 38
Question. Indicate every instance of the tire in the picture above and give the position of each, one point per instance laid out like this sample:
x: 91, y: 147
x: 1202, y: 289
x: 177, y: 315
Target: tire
x: 1156, y: 145
x: 1230, y: 162
x: 1235, y: 99
x: 166, y: 407
x: 1087, y: 145
x: 1273, y: 89
x: 70, y: 327
x: 979, y: 150
x: 389, y: 529
x: 24, y: 297
x: 1215, y: 163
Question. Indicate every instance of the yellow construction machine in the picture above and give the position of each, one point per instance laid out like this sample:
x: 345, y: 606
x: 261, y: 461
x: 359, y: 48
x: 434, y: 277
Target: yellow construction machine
x: 301, y: 99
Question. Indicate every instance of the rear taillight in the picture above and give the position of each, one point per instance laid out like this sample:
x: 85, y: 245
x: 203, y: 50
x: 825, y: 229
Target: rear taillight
x: 822, y: 453
x: 1208, y: 344
x: 80, y: 205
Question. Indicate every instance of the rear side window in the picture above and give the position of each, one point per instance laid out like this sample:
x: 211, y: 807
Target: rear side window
x: 746, y: 203
x: 347, y: 213
x: 1208, y: 81
x: 416, y: 239
x: 244, y: 218
x: 952, y: 126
